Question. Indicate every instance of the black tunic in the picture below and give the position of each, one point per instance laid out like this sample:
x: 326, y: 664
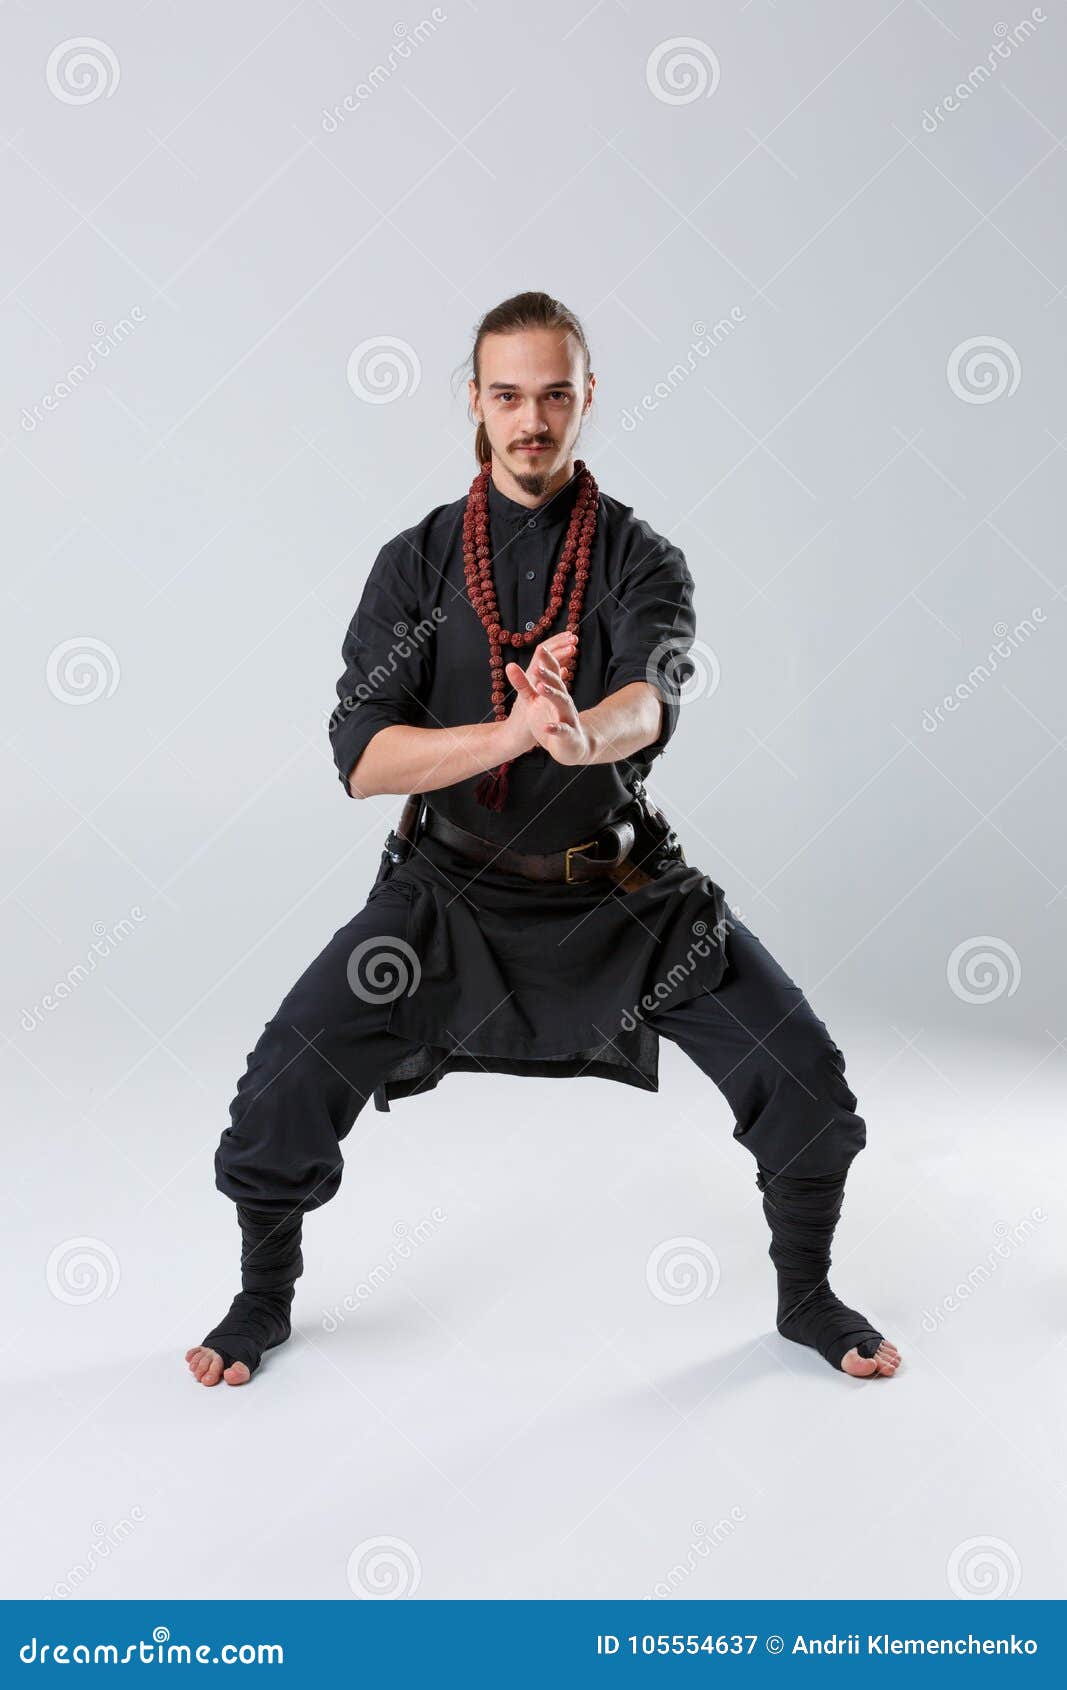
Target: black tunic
x: 514, y: 976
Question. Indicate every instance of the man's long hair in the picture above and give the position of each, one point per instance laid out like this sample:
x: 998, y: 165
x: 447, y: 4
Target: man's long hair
x: 522, y: 311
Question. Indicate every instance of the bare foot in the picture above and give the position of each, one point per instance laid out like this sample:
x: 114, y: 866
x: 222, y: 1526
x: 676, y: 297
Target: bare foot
x: 206, y: 1366
x: 885, y: 1360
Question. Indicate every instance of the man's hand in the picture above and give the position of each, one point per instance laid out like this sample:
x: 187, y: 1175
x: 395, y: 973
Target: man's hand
x: 547, y: 709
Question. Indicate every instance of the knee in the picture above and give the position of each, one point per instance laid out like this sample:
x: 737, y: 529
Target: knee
x: 815, y: 1065
x: 282, y: 1058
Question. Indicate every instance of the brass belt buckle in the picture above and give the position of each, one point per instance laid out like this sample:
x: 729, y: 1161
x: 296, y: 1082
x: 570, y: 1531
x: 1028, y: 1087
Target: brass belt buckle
x: 567, y: 858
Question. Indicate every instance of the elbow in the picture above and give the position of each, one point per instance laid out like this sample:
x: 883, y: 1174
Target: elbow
x: 359, y: 781
x: 655, y: 715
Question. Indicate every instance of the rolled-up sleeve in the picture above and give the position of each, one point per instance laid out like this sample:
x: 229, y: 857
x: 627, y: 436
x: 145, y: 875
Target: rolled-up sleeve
x: 653, y: 626
x: 387, y: 653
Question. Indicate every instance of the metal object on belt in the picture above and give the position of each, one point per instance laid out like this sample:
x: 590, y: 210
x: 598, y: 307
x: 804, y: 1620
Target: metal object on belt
x: 605, y: 854
x: 658, y: 845
x: 401, y: 838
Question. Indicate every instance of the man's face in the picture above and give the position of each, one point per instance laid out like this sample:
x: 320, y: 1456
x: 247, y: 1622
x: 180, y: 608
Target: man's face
x: 533, y: 392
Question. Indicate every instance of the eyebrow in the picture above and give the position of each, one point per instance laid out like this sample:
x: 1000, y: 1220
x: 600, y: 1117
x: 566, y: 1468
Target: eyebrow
x: 514, y: 384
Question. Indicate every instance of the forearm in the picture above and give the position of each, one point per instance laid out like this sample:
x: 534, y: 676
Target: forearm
x: 623, y: 723
x: 405, y: 759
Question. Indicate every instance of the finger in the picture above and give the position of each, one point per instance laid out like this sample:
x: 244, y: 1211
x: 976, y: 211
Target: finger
x: 558, y: 697
x: 545, y: 663
x: 516, y: 674
x: 555, y: 650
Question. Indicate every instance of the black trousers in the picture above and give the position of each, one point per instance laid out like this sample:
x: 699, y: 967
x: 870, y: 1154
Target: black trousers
x: 321, y: 1055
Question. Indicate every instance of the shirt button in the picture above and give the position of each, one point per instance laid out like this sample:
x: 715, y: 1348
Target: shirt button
x: 530, y: 574
x: 532, y: 523
x: 529, y: 625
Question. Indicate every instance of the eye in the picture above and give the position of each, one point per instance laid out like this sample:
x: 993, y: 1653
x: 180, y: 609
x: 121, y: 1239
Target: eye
x: 559, y: 393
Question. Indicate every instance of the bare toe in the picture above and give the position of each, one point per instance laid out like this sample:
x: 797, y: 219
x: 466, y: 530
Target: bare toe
x: 237, y: 1374
x: 885, y: 1361
x: 210, y: 1368
x: 861, y: 1367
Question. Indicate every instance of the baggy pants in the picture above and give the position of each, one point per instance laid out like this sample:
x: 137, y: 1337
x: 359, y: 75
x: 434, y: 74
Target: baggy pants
x: 321, y: 1055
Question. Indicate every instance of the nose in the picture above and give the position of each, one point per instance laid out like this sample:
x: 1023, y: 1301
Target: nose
x: 533, y: 423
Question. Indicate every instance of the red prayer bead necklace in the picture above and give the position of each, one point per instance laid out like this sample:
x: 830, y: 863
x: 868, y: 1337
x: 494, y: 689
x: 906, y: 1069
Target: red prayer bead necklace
x: 492, y: 789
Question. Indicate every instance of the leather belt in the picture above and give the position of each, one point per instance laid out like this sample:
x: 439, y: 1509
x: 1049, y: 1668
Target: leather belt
x: 572, y: 864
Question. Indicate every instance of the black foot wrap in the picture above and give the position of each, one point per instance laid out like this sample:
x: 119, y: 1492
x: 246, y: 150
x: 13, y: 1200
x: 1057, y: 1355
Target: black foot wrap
x: 271, y: 1263
x: 802, y: 1215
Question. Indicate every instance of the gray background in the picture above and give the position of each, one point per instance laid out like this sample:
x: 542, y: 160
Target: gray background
x: 203, y: 508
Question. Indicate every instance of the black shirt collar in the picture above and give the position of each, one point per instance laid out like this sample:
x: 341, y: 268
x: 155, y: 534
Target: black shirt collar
x: 555, y: 512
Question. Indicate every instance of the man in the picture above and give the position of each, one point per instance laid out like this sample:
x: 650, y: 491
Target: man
x: 534, y: 913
